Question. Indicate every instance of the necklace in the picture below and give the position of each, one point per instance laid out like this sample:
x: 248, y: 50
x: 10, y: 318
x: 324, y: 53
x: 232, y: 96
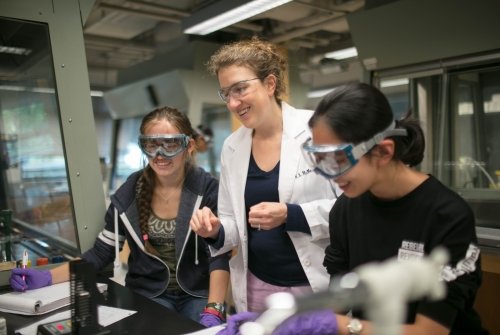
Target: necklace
x: 165, y: 198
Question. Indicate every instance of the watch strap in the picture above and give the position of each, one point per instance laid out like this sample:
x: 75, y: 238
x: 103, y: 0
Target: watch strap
x: 217, y: 306
x: 214, y: 312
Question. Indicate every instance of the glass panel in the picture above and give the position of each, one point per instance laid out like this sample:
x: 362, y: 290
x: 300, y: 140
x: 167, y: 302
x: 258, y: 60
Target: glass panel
x: 33, y: 181
x: 398, y: 93
x: 460, y: 115
x: 475, y: 149
x: 128, y: 155
x: 219, y: 120
x: 427, y: 106
x: 105, y: 129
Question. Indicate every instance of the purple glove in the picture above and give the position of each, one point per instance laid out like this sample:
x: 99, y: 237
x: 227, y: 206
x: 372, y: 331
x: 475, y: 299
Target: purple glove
x: 235, y: 321
x: 322, y: 322
x: 210, y: 320
x: 32, y: 279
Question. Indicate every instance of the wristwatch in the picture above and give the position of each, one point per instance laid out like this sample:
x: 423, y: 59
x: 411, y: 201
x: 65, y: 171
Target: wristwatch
x: 354, y: 327
x: 219, y: 307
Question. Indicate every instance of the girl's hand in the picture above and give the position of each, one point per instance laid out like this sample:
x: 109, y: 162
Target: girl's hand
x: 205, y: 223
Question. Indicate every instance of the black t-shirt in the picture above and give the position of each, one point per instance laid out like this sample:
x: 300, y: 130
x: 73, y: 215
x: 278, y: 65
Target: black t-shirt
x: 366, y: 229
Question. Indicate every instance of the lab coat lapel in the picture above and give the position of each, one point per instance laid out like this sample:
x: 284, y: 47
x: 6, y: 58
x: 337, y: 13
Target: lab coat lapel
x: 289, y: 159
x: 239, y: 165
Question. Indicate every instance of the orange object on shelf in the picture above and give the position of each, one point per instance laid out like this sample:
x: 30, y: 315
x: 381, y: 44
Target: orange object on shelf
x: 42, y: 261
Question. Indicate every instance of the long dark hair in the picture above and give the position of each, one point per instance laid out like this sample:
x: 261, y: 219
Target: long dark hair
x: 356, y: 112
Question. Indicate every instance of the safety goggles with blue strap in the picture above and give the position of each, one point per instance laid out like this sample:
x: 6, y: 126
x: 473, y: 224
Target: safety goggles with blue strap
x: 332, y: 161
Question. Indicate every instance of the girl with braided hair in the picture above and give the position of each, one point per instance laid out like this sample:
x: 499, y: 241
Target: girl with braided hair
x: 167, y: 262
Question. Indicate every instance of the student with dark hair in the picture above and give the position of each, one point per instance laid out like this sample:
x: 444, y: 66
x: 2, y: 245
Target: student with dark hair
x: 167, y: 263
x: 388, y: 209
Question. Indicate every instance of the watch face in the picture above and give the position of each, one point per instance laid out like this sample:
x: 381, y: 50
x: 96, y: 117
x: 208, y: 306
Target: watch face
x: 355, y: 326
x: 217, y: 306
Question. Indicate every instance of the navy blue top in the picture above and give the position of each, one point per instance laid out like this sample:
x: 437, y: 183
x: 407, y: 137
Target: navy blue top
x: 271, y: 255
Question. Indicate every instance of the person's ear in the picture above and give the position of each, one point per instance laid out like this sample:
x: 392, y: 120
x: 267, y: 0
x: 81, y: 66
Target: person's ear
x: 385, y: 151
x: 270, y: 84
x: 191, y: 146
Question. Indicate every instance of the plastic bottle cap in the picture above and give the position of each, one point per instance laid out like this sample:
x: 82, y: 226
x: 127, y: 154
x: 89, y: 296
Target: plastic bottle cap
x: 3, y: 326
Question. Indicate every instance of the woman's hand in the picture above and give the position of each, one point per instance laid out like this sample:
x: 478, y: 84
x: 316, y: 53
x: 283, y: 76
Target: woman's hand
x: 205, y: 223
x: 267, y: 215
x: 29, y: 279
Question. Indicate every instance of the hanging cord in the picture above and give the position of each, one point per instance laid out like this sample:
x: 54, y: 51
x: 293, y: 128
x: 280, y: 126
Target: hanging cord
x: 196, y: 207
x: 117, y: 262
x: 196, y: 261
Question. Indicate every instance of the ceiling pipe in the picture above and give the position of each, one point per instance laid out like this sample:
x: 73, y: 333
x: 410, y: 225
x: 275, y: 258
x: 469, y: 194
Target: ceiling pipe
x: 117, y: 43
x: 323, y: 9
x: 132, y: 11
x: 304, y: 31
x: 305, y: 22
x: 156, y: 16
x: 155, y: 7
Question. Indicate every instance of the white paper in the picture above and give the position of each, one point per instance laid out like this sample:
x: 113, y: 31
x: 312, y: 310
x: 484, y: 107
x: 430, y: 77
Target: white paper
x: 39, y: 301
x: 107, y: 316
x: 208, y: 331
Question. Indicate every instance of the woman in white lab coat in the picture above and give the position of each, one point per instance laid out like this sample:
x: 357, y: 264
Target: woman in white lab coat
x: 273, y: 209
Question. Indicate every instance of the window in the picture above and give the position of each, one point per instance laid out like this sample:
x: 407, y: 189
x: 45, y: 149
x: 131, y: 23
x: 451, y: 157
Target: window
x: 34, y: 181
x: 460, y: 115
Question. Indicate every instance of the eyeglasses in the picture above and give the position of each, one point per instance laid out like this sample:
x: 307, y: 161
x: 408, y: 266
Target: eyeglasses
x: 332, y: 161
x: 235, y: 91
x: 167, y: 146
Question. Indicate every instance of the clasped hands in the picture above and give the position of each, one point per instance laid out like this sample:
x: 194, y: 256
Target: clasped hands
x: 263, y: 216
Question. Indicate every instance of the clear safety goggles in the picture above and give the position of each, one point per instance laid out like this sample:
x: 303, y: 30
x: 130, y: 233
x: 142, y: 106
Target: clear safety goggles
x: 332, y: 161
x: 167, y: 146
x: 236, y: 91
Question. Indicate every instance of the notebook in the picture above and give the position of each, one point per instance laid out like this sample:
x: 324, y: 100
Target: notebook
x: 39, y: 301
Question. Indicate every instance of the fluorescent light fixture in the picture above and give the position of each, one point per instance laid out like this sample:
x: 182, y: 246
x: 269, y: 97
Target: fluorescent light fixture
x: 342, y: 54
x: 320, y: 93
x: 14, y: 50
x: 44, y: 90
x: 12, y: 88
x: 225, y: 13
x: 394, y: 82
x: 94, y: 93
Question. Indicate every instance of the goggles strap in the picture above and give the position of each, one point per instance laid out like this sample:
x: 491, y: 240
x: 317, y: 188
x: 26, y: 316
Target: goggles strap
x: 363, y: 147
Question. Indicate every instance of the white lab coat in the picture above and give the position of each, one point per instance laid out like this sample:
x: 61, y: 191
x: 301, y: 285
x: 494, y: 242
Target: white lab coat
x: 298, y: 184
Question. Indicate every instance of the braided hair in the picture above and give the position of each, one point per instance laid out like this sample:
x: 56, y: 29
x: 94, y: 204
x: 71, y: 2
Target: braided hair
x: 146, y: 182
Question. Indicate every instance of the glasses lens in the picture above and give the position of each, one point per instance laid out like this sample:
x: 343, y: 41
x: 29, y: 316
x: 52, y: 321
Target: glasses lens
x: 235, y: 91
x: 333, y: 163
x: 223, y: 94
x: 329, y: 161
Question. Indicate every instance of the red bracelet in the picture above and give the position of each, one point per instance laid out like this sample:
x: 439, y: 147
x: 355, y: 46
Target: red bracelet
x: 214, y: 312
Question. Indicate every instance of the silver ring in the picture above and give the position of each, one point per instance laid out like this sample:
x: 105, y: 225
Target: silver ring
x: 259, y: 227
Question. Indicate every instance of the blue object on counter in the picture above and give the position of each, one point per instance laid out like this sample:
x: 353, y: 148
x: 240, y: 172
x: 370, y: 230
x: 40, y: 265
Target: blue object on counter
x: 58, y: 259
